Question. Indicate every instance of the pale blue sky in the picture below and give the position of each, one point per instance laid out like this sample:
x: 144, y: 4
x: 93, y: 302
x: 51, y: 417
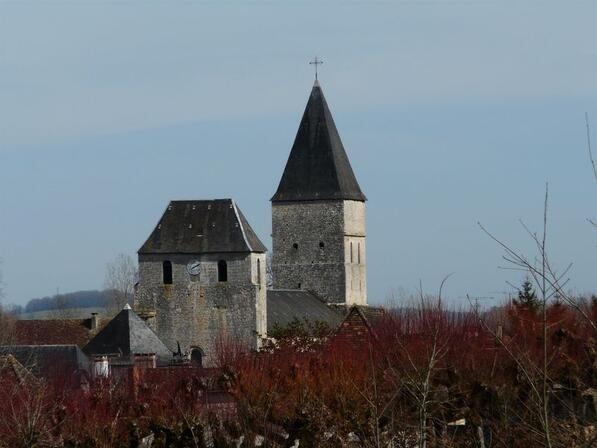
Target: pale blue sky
x: 452, y: 112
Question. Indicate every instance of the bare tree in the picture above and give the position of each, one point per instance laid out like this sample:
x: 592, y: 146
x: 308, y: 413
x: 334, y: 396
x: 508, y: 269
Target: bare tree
x: 121, y: 276
x: 32, y: 413
x: 550, y: 284
x: 419, y: 380
x: 6, y: 320
x: 7, y: 328
x: 1, y: 284
x: 593, y: 165
x: 61, y: 309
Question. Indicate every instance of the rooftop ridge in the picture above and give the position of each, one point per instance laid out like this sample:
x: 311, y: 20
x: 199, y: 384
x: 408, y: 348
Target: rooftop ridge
x: 240, y: 224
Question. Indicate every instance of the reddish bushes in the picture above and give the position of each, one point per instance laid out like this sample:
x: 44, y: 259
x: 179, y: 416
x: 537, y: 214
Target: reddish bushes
x: 418, y: 370
x: 404, y: 381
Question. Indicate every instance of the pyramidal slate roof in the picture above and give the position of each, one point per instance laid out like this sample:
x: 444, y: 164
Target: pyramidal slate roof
x: 318, y: 167
x: 128, y: 335
x: 195, y: 227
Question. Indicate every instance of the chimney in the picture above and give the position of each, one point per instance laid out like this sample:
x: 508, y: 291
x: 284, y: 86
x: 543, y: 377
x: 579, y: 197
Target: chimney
x: 94, y: 321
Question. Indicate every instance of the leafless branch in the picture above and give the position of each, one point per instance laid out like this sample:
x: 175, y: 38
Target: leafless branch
x: 589, y: 146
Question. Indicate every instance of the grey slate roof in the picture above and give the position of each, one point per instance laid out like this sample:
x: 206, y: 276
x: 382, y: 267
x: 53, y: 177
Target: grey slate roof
x: 284, y: 306
x: 318, y: 167
x: 45, y: 360
x: 128, y: 335
x: 195, y: 227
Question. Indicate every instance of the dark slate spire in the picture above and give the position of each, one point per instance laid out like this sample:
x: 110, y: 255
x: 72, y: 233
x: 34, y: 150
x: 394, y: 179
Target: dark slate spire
x: 318, y: 167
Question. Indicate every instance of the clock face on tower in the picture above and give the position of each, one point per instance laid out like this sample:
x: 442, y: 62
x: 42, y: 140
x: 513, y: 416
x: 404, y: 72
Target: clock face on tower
x: 194, y: 267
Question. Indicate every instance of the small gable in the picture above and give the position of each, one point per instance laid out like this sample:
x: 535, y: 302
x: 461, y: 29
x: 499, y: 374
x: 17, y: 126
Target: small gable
x: 357, y: 326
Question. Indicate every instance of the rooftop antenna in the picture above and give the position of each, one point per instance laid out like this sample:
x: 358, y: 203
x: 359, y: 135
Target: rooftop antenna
x: 316, y: 62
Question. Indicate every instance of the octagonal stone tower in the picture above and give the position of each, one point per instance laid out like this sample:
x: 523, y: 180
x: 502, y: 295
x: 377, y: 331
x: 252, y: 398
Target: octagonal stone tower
x: 318, y: 214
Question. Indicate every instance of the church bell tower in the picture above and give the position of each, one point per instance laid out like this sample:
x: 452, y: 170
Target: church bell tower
x: 318, y: 214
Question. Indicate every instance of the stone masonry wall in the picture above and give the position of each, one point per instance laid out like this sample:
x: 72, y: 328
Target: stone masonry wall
x: 311, y: 249
x: 355, y: 252
x: 199, y: 311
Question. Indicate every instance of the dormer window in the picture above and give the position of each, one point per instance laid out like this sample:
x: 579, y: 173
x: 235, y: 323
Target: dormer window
x: 222, y: 271
x: 167, y: 272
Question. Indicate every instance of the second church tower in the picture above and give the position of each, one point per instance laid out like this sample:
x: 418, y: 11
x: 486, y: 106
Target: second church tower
x: 318, y: 214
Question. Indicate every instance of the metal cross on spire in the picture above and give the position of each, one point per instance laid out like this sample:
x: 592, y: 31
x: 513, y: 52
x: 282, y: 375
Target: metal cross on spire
x: 316, y: 62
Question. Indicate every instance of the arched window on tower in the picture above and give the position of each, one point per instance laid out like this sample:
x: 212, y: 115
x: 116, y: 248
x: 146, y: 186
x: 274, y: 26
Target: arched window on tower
x: 222, y: 271
x: 197, y: 357
x: 167, y: 272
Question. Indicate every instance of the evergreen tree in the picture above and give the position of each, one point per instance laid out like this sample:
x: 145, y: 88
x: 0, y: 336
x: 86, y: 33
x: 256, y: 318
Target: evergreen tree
x: 527, y: 297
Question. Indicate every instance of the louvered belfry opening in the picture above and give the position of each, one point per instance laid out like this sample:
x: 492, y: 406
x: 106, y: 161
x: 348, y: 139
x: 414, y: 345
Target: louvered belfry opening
x: 167, y: 272
x: 222, y: 271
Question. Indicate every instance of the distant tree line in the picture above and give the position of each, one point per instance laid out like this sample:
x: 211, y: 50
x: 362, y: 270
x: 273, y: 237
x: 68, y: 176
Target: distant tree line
x: 77, y: 299
x: 121, y: 275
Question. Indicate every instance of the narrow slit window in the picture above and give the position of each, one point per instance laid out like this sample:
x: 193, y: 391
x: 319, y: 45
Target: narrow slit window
x: 222, y: 271
x: 167, y: 272
x: 359, y: 253
x: 258, y: 272
x: 351, y: 260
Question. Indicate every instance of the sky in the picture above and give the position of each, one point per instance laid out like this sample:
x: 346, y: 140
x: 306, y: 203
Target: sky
x: 452, y: 113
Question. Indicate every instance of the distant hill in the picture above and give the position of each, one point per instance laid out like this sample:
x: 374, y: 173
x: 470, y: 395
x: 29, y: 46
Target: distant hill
x: 66, y: 313
x: 78, y: 300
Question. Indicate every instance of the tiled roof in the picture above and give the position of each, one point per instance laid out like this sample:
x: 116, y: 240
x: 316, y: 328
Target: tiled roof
x: 52, y: 331
x: 359, y: 324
